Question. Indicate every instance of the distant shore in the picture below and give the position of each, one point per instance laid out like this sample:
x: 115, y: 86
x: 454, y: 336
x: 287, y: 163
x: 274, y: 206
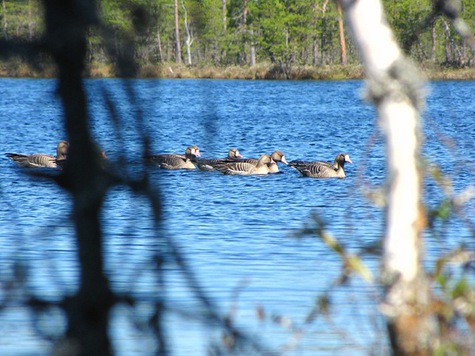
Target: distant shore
x: 18, y: 69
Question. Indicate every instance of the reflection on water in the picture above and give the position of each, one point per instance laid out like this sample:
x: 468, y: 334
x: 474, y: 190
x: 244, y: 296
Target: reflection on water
x: 236, y: 232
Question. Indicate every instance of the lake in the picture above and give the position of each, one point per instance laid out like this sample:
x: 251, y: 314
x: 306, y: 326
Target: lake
x: 237, y: 233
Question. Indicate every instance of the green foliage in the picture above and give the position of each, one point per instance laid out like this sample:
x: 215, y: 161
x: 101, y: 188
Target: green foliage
x: 283, y: 32
x: 20, y: 17
x: 208, y: 17
x: 405, y: 17
x: 115, y: 15
x: 283, y: 28
x: 455, y: 302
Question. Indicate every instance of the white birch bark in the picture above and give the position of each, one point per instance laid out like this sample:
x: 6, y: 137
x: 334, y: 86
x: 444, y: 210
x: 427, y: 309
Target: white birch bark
x: 395, y: 87
x: 5, y: 22
x: 189, y: 39
x: 177, y: 35
x: 225, y: 19
x: 159, y: 45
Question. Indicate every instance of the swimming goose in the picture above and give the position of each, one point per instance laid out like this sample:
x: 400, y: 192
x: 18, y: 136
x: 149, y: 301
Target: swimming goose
x: 277, y: 156
x: 323, y: 169
x: 209, y: 164
x: 245, y: 168
x: 40, y: 160
x: 176, y: 161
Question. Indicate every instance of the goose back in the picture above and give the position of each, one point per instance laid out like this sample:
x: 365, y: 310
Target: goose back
x: 40, y: 160
x: 242, y: 167
x: 323, y: 169
x: 172, y: 161
x: 210, y: 164
x: 277, y: 156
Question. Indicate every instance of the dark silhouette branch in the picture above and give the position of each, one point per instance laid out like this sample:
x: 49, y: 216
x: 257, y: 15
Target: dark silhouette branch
x: 67, y: 22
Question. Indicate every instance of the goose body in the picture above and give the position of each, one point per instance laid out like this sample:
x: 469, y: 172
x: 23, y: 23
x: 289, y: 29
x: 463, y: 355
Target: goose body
x: 174, y: 161
x: 277, y: 156
x: 323, y: 169
x: 210, y: 164
x: 242, y: 167
x: 40, y: 160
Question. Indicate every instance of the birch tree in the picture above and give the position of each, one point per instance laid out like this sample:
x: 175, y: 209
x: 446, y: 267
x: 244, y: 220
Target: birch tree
x: 189, y: 39
x: 5, y: 22
x: 395, y: 88
x: 177, y: 35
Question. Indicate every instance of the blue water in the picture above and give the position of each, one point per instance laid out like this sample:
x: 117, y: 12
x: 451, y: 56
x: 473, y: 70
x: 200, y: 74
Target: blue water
x: 236, y: 233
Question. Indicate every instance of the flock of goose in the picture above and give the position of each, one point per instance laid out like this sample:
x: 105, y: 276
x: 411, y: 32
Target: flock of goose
x: 233, y: 164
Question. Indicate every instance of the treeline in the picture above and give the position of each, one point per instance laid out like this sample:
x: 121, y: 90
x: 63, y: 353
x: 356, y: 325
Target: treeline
x: 221, y: 33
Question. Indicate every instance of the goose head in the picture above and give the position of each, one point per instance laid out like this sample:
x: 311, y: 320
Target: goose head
x: 192, y: 152
x: 342, y: 158
x: 234, y: 153
x: 62, y: 150
x: 278, y: 156
x: 265, y: 159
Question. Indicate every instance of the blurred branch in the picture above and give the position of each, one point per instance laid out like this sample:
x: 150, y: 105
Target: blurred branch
x: 87, y: 312
x: 351, y: 263
x: 451, y: 9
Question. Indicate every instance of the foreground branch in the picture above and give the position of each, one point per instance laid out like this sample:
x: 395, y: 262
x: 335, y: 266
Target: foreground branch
x: 67, y: 22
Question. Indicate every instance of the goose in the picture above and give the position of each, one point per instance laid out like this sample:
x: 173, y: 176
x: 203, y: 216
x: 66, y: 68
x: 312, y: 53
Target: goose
x: 176, y: 161
x: 242, y: 167
x: 277, y: 156
x: 209, y: 164
x: 323, y: 169
x: 40, y: 160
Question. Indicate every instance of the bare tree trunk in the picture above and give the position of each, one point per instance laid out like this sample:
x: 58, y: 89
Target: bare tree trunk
x: 252, y: 61
x: 322, y: 43
x: 342, y: 34
x: 252, y: 50
x: 447, y: 47
x: 5, y: 22
x: 189, y: 39
x: 169, y: 50
x: 244, y: 29
x: 30, y: 21
x: 463, y: 55
x: 159, y: 45
x: 395, y: 87
x: 177, y: 35
x: 314, y: 35
x: 225, y: 20
x: 224, y: 10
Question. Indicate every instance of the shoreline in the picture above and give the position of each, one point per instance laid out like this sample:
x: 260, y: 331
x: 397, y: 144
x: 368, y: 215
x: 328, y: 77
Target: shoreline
x: 17, y: 69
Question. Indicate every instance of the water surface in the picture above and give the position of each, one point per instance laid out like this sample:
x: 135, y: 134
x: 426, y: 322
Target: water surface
x: 237, y: 233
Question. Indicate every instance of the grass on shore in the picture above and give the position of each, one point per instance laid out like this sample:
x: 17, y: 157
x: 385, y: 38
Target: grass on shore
x: 260, y: 71
x: 21, y: 69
